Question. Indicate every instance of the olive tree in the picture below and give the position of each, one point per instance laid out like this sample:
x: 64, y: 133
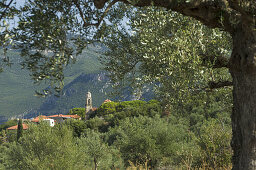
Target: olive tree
x: 165, y: 49
x: 99, y: 154
x: 45, y: 26
x: 43, y: 147
x: 8, y: 10
x: 238, y: 19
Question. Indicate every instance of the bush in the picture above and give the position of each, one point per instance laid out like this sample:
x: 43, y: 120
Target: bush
x: 78, y: 111
x: 77, y: 126
x: 44, y: 147
x: 152, y: 141
x: 214, y: 142
x: 7, y: 124
x: 99, y: 154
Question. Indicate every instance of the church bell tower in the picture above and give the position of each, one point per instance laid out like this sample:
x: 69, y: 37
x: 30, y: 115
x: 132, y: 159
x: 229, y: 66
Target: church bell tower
x: 88, y: 104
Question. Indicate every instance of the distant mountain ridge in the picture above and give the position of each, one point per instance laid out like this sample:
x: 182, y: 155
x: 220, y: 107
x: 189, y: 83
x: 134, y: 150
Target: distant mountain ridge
x: 17, y: 90
x: 74, y: 95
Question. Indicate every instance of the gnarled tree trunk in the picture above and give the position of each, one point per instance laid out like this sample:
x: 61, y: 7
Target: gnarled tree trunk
x: 239, y: 19
x: 243, y: 71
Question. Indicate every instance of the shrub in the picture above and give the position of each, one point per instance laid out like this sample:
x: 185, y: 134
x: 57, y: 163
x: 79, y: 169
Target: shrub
x: 214, y: 142
x: 78, y: 111
x: 77, y: 126
x: 144, y: 140
x: 99, y: 154
x: 44, y: 147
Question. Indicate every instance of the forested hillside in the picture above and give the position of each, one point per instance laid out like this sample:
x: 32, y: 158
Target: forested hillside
x: 18, y: 90
x: 123, y: 135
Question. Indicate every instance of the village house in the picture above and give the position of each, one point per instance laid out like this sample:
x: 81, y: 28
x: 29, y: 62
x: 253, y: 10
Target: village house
x: 61, y: 118
x: 25, y: 127
x: 49, y: 121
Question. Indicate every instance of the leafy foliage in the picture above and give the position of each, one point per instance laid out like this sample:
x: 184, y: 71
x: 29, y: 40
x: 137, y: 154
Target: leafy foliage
x: 8, y: 11
x: 113, y: 112
x: 167, y: 50
x: 7, y: 124
x: 175, y: 141
x: 214, y: 142
x: 161, y: 49
x: 115, y: 107
x: 77, y: 126
x: 153, y: 141
x: 99, y: 153
x: 78, y: 111
x: 43, y: 147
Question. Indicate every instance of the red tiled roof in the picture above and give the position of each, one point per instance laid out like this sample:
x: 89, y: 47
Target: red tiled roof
x: 65, y: 116
x: 25, y: 127
x: 107, y: 100
x: 93, y: 109
x: 73, y: 116
x: 39, y: 118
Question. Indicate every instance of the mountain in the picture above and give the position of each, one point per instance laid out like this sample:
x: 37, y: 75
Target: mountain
x: 17, y: 89
x: 17, y: 94
x: 74, y: 95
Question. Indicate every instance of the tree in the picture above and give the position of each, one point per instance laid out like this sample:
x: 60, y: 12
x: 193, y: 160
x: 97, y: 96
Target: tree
x: 181, y: 75
x: 43, y: 147
x: 152, y: 141
x: 238, y: 19
x: 78, y: 111
x: 99, y: 153
x: 113, y: 112
x: 19, y: 130
x: 214, y: 144
x: 45, y: 25
x: 7, y: 12
x: 3, y: 137
x: 77, y: 126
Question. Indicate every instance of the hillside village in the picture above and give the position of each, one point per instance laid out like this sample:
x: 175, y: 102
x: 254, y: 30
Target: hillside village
x: 52, y: 120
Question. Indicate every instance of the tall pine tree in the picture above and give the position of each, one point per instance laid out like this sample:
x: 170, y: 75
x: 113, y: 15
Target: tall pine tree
x: 19, y: 130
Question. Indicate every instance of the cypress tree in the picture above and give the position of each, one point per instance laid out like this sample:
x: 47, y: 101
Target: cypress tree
x: 19, y: 130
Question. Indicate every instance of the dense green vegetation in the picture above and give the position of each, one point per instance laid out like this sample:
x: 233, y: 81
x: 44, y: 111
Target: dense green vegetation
x: 140, y: 139
x: 186, y: 63
x: 8, y: 124
x: 78, y: 111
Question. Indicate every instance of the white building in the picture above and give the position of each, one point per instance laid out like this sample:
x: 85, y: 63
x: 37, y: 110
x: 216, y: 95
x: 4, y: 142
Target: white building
x: 50, y: 122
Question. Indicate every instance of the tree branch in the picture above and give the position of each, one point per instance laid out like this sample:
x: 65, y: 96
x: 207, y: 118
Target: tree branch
x: 211, y: 13
x: 215, y: 85
x: 6, y: 8
x: 247, y: 9
x: 241, y: 6
x: 216, y: 61
x: 80, y: 11
x: 106, y: 11
x: 100, y: 19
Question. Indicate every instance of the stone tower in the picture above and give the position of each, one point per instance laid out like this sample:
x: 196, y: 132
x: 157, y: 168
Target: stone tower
x: 88, y: 104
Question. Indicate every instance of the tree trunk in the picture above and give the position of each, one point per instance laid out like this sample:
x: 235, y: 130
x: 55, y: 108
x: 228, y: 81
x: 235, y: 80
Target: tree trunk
x: 243, y: 70
x: 95, y: 164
